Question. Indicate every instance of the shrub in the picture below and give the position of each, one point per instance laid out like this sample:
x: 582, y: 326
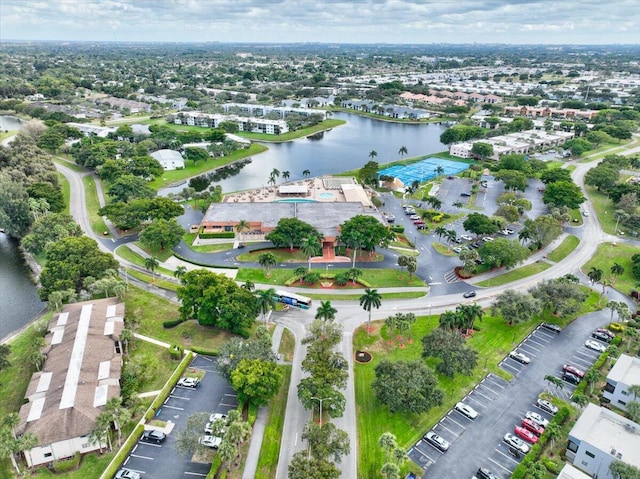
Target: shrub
x: 550, y: 465
x: 66, y: 465
x: 341, y: 279
x: 519, y: 472
x: 124, y: 451
x: 376, y: 201
x: 176, y: 351
x: 616, y: 327
x: 204, y: 352
x: 311, y: 278
x: 226, y: 234
x: 253, y: 413
x: 397, y: 228
x: 172, y: 323
x: 616, y: 341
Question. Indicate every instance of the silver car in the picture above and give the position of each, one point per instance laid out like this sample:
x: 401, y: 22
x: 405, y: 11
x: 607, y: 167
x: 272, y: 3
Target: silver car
x: 520, y: 357
x: 436, y: 441
x: 516, y: 443
x: 537, y: 418
x: 466, y: 410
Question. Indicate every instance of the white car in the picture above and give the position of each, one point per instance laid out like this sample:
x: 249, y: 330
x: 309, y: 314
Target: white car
x: 216, y: 416
x: 457, y: 249
x: 596, y: 346
x: 520, y: 357
x: 210, y: 441
x: 436, y: 441
x: 466, y: 410
x: 188, y: 382
x: 547, y: 406
x: 127, y: 474
x: 488, y: 239
x: 516, y: 443
x: 466, y: 237
x: 537, y: 418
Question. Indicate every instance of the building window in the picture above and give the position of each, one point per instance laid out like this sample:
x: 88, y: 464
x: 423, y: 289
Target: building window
x: 85, y: 445
x: 622, y: 402
x: 572, y: 446
x: 590, y: 454
x: 624, y: 393
x: 228, y: 228
x: 609, y: 388
x: 48, y: 454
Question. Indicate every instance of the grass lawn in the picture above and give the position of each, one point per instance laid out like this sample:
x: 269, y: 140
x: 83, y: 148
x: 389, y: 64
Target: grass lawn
x: 356, y: 297
x: 66, y: 192
x: 515, y: 274
x: 92, y: 465
x: 606, y: 255
x: 153, y: 311
x: 127, y: 253
x: 283, y: 255
x: 576, y: 217
x: 169, y: 177
x: 156, y: 360
x: 566, y: 247
x: 156, y: 281
x: 443, y: 249
x: 604, y: 209
x: 66, y: 160
x: 211, y: 248
x: 376, y: 277
x: 603, y: 150
x: 92, y: 206
x: 287, y: 345
x: 493, y: 341
x: 270, y: 450
x: 162, y: 254
x: 6, y: 134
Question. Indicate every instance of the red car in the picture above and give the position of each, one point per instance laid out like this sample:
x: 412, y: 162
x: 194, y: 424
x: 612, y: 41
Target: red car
x: 532, y: 426
x: 418, y: 222
x: 567, y: 368
x: 525, y: 434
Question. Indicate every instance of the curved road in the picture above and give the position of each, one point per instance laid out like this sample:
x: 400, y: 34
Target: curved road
x: 351, y: 315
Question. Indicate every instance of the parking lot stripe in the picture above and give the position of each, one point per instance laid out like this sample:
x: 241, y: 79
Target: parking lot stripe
x: 422, y: 453
x: 493, y: 383
x: 508, y: 457
x: 508, y: 365
x: 527, y: 346
x: 498, y: 379
x: 486, y: 397
x: 447, y: 429
x: 483, y: 406
x: 142, y: 457
x: 533, y: 340
x: 195, y: 474
x: 497, y: 394
x: 456, y: 422
x: 174, y: 407
x: 179, y: 397
x: 501, y: 466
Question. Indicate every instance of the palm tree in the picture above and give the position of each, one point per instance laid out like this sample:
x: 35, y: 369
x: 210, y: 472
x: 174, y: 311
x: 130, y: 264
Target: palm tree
x: 439, y: 170
x: 450, y: 236
x: 326, y: 312
x: 553, y: 432
x: 448, y: 320
x: 151, y: 263
x: 311, y: 247
x: 179, y: 272
x: 373, y: 154
x: 457, y: 204
x: 634, y: 389
x: 56, y: 299
x: 370, y: 299
x: 117, y: 414
x: 402, y: 151
x: 306, y: 173
x: 267, y: 260
x: 436, y: 203
x: 470, y: 313
x: 241, y: 227
x: 440, y: 231
x: 390, y: 471
x: 402, y: 261
x: 592, y: 376
x: 400, y: 455
x: 388, y: 443
x: 248, y: 286
x: 595, y: 275
x: 285, y: 175
x: 354, y: 274
x: 265, y: 300
x: 617, y: 269
x: 275, y: 173
x: 557, y: 382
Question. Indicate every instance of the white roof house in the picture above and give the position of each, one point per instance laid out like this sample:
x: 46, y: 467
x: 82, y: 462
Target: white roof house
x: 625, y: 373
x: 81, y: 373
x: 169, y: 159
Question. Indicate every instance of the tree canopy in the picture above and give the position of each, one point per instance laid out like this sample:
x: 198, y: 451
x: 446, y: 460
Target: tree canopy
x: 480, y: 224
x: 291, y: 232
x: 449, y: 346
x: 162, y: 234
x: 48, y: 229
x: 516, y: 307
x: 256, y: 381
x: 503, y: 252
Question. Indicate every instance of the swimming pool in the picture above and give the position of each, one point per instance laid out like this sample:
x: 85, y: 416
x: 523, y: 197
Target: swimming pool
x: 326, y: 195
x: 296, y: 200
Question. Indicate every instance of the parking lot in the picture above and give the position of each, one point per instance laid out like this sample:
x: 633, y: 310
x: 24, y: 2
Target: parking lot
x: 501, y: 405
x: 159, y: 461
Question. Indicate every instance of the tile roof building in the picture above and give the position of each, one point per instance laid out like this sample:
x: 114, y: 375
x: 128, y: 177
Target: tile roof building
x: 80, y: 374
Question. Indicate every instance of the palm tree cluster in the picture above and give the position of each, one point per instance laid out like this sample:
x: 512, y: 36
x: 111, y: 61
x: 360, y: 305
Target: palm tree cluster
x: 463, y: 318
x: 394, y: 456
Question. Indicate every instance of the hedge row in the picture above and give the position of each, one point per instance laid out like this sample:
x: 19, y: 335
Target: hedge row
x: 66, y: 465
x: 172, y: 323
x: 226, y: 234
x: 166, y: 390
x: 124, y: 451
x: 205, y: 352
x: 324, y: 276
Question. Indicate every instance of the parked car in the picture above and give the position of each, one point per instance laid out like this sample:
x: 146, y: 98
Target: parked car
x: 547, y: 406
x: 189, y: 382
x: 570, y: 378
x: 422, y: 227
x: 415, y: 217
x: 552, y: 327
x: 573, y: 370
x: 418, y: 222
x: 210, y: 441
x: 537, y: 418
x: 409, y: 211
x: 436, y: 441
x: 520, y: 357
x: 469, y: 294
x: 585, y: 213
x: 509, y: 230
x: 611, y: 334
x: 127, y: 474
x: 532, y: 426
x: 503, y: 232
x: 516, y: 442
x: 465, y: 194
x: 525, y: 434
x: 596, y: 346
x: 466, y: 410
x: 154, y: 436
x: 483, y: 473
x: 457, y: 249
x: 216, y: 416
x: 466, y: 237
x: 391, y: 218
x: 488, y: 239
x: 601, y: 336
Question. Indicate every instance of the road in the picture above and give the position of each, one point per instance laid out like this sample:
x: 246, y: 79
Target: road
x: 443, y: 296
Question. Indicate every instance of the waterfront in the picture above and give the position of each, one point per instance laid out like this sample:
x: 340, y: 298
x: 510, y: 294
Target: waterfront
x: 343, y: 148
x: 19, y: 301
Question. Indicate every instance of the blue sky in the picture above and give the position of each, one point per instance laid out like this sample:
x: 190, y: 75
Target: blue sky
x: 327, y: 21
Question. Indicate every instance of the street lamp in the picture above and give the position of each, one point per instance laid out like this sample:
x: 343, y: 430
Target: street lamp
x: 320, y: 399
x: 429, y: 306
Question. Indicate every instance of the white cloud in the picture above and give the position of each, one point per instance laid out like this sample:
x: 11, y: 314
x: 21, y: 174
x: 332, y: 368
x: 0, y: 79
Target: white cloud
x: 361, y: 21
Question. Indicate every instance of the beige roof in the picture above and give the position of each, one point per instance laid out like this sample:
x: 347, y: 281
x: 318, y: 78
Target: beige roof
x: 81, y: 372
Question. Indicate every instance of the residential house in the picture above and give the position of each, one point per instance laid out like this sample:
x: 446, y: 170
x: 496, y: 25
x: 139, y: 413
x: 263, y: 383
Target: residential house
x: 625, y: 373
x: 169, y: 159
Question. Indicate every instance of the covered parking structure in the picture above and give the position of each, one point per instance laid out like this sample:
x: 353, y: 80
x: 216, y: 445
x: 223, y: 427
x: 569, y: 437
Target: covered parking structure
x: 423, y: 170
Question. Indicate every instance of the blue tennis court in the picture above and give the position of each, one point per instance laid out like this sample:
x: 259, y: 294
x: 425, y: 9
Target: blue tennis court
x: 424, y: 170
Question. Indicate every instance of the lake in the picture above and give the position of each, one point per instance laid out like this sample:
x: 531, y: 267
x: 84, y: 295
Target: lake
x: 10, y: 123
x: 344, y: 148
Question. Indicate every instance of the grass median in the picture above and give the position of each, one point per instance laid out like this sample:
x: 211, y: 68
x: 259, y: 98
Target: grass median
x: 92, y: 206
x: 606, y: 255
x: 566, y: 247
x: 514, y: 275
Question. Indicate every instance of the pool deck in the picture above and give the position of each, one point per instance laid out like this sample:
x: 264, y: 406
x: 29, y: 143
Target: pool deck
x: 316, y: 191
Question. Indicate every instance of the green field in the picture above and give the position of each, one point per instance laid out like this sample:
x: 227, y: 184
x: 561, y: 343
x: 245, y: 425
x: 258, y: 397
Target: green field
x: 66, y: 191
x: 566, y: 247
x: 127, y: 253
x: 604, y: 209
x: 157, y: 362
x: 514, y: 274
x: 174, y: 176
x: 92, y: 206
x: 621, y: 253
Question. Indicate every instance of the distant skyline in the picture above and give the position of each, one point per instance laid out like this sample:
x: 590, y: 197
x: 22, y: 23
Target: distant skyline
x: 324, y: 21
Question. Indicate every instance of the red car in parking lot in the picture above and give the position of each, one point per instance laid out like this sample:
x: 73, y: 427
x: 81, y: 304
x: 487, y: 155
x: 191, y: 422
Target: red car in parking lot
x: 567, y: 368
x: 532, y: 426
x: 525, y: 434
x: 418, y: 222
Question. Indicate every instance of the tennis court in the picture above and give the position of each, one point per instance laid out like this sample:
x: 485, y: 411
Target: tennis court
x: 424, y: 170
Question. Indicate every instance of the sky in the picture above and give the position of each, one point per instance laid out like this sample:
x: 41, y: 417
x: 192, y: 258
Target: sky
x: 324, y: 21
